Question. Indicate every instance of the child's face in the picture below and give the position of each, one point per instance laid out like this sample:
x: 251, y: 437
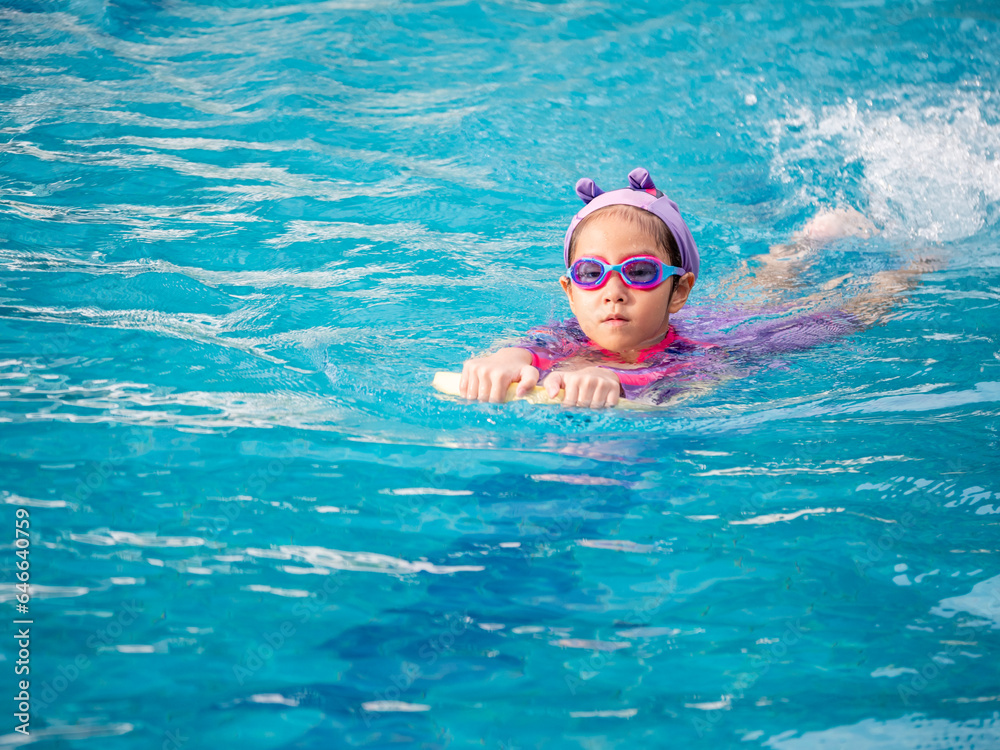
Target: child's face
x: 616, y: 316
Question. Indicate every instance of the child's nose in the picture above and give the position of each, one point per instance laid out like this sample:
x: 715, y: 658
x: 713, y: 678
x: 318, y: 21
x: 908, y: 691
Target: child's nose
x: 615, y: 290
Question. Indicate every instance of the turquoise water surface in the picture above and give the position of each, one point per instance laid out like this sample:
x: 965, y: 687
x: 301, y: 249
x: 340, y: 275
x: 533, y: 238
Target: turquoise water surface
x: 238, y: 239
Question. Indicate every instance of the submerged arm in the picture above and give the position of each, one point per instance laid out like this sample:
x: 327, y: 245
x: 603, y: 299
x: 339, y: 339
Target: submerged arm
x: 779, y: 269
x: 884, y: 289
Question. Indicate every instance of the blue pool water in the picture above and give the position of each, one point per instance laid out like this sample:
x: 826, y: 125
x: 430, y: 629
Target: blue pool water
x: 238, y: 239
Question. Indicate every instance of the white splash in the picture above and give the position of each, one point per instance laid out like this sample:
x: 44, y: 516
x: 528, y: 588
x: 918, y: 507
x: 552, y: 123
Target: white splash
x: 930, y: 170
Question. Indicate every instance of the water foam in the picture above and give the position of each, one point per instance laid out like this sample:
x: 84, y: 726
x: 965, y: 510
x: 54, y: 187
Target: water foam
x: 928, y: 171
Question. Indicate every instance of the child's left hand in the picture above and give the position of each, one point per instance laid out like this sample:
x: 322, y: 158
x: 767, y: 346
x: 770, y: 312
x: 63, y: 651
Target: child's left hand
x: 591, y: 387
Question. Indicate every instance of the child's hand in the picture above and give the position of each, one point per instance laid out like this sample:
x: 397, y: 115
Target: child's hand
x: 591, y: 387
x: 487, y: 378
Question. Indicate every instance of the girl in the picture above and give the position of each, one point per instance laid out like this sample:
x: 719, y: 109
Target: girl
x: 631, y: 262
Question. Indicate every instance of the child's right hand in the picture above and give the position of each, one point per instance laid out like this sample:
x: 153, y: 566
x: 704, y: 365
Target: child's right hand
x: 487, y: 378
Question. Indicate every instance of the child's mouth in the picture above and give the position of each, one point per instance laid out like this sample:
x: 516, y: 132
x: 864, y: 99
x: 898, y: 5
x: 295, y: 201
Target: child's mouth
x: 615, y: 320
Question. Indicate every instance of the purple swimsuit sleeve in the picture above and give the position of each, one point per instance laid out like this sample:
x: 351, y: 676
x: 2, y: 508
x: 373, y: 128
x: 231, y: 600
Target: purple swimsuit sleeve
x: 549, y: 345
x: 631, y: 391
x: 789, y: 334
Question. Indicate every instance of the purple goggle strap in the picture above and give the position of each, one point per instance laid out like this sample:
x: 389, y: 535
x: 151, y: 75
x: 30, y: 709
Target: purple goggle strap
x: 641, y: 193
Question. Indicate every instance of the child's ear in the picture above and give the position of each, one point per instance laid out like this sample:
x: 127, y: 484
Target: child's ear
x: 682, y: 290
x: 567, y: 287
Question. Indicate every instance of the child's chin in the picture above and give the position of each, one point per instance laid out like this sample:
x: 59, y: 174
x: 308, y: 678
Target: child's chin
x: 612, y: 343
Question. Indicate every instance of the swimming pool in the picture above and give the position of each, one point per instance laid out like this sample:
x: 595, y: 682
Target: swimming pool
x: 238, y: 240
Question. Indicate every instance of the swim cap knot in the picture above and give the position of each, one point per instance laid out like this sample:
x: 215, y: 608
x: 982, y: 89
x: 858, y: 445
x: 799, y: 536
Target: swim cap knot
x: 641, y: 193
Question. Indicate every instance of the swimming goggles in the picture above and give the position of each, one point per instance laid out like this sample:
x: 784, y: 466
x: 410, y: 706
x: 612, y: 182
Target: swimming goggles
x: 639, y: 272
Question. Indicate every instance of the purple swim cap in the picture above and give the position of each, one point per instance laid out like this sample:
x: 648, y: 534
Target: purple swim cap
x: 641, y: 193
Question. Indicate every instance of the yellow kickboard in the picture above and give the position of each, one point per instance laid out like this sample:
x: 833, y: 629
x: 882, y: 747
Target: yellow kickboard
x: 447, y: 383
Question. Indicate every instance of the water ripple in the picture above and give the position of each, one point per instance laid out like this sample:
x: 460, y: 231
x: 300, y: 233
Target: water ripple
x: 324, y: 559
